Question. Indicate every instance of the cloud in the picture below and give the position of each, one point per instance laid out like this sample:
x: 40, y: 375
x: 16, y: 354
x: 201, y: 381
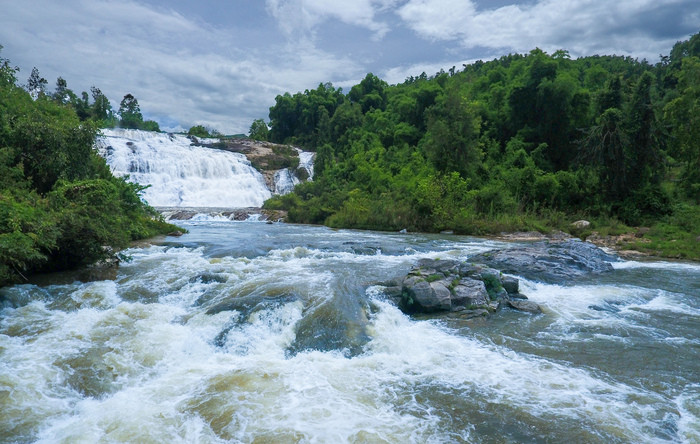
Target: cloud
x: 583, y: 27
x: 179, y: 69
x: 299, y: 18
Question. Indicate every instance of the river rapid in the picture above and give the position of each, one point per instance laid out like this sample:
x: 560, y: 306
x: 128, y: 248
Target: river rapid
x: 253, y: 332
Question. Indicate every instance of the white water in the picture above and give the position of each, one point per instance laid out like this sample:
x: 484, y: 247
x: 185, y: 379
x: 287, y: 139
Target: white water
x: 181, y: 175
x: 144, y: 358
x: 306, y: 161
x: 285, y: 181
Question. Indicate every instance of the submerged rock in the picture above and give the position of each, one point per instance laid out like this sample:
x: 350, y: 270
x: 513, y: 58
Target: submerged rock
x: 523, y: 305
x: 553, y: 262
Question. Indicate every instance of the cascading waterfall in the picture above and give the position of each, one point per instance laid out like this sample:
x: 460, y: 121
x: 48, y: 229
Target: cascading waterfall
x: 285, y: 181
x: 181, y: 175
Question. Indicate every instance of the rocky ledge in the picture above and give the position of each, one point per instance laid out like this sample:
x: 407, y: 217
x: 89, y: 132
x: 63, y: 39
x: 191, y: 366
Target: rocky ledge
x: 552, y: 262
x: 434, y: 286
x: 480, y: 287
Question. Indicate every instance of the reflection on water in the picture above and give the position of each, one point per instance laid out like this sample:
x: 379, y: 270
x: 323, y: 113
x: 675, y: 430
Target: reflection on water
x: 248, y: 332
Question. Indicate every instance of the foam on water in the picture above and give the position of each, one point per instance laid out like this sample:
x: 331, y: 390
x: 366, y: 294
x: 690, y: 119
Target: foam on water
x: 168, y: 353
x: 181, y: 175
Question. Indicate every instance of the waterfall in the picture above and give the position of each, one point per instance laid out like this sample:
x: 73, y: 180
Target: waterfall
x: 306, y: 161
x: 285, y: 181
x: 179, y: 174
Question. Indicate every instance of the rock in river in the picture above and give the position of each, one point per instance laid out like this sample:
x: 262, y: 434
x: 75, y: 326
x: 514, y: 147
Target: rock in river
x: 452, y: 286
x: 553, y: 262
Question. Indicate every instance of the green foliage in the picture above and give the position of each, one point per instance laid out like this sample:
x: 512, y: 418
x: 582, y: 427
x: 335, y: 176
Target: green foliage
x: 199, y: 131
x: 60, y: 206
x: 259, y: 130
x: 130, y: 113
x: 150, y: 125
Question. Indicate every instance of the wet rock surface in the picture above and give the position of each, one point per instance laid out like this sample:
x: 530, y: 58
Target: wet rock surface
x: 449, y: 286
x: 552, y: 262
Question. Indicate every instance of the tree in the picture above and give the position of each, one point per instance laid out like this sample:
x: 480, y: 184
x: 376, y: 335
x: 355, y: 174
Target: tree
x: 259, y: 130
x: 370, y: 93
x: 604, y: 148
x: 101, y: 108
x: 646, y: 165
x: 62, y: 94
x: 198, y: 131
x: 36, y: 85
x: 451, y: 141
x: 150, y: 125
x: 683, y: 115
x: 130, y: 112
x: 8, y: 74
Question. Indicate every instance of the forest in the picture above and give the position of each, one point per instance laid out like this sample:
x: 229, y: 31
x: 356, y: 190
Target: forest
x: 523, y: 142
x: 60, y: 206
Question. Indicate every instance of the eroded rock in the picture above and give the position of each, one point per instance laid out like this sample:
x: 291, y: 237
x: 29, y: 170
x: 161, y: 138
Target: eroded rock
x: 434, y: 286
x: 554, y: 262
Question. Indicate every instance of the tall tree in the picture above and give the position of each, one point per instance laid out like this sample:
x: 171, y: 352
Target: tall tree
x: 130, y: 112
x: 258, y: 130
x: 683, y: 115
x: 62, y: 94
x: 36, y: 85
x: 101, y: 108
x: 646, y: 165
x: 605, y: 149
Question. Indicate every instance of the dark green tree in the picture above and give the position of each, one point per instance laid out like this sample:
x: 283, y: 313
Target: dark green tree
x: 370, y: 93
x: 605, y: 148
x: 36, y: 85
x: 62, y: 94
x: 101, y: 108
x: 150, y: 125
x: 451, y: 141
x: 130, y: 112
x: 259, y: 130
x: 682, y: 114
x: 199, y: 131
x: 646, y: 165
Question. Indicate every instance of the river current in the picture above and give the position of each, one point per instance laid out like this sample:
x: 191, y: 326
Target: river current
x: 253, y: 332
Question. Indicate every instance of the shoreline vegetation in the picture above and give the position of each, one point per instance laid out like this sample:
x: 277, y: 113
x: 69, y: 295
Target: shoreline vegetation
x: 60, y: 206
x: 526, y: 142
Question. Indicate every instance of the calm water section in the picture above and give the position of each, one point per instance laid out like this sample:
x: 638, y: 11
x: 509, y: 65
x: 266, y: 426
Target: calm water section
x: 248, y: 332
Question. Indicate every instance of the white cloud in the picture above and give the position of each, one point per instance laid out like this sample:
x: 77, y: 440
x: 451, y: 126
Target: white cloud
x: 298, y: 18
x: 179, y: 69
x: 583, y: 27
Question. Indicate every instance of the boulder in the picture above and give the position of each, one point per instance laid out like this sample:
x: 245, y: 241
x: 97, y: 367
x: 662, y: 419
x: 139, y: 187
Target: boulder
x: 553, y: 262
x: 511, y: 284
x: 449, y: 286
x: 523, y: 305
x: 581, y: 224
x: 470, y: 293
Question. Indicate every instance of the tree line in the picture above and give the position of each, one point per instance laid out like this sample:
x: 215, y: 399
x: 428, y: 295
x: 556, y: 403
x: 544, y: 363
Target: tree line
x: 98, y: 110
x: 507, y: 143
x: 60, y: 206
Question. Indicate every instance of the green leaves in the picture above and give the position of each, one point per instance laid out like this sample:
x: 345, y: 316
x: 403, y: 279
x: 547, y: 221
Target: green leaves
x: 60, y: 206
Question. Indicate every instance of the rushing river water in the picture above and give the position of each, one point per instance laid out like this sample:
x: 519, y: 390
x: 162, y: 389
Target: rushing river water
x: 248, y: 332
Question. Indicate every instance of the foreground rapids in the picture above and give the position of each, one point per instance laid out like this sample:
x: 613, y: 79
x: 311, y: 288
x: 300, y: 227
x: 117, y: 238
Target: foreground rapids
x: 248, y: 332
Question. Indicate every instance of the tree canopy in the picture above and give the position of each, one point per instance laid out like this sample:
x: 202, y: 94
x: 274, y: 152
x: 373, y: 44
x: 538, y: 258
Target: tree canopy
x: 522, y: 135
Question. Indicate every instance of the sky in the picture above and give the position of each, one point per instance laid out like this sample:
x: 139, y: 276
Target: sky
x: 221, y: 63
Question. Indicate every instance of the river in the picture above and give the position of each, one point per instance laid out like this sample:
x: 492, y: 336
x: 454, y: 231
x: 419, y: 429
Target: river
x: 253, y: 332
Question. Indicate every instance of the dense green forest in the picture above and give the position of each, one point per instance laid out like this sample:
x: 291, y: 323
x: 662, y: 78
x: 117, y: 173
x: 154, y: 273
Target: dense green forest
x: 60, y: 206
x: 522, y: 142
